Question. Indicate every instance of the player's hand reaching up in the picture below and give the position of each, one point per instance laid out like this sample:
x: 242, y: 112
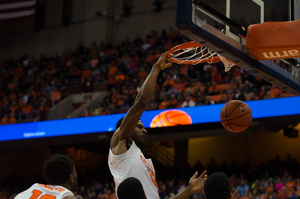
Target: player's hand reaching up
x: 197, y: 183
x: 162, y: 62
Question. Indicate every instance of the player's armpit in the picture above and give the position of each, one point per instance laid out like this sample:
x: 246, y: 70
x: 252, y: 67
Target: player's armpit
x: 70, y: 197
x: 126, y: 129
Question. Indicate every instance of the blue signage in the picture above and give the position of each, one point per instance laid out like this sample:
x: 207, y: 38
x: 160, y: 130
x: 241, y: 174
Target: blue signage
x: 170, y: 117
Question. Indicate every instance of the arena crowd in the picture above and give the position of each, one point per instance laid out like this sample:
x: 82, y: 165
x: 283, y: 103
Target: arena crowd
x: 31, y: 86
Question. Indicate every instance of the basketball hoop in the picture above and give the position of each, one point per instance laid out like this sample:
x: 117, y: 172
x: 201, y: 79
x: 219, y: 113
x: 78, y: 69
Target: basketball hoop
x: 195, y: 53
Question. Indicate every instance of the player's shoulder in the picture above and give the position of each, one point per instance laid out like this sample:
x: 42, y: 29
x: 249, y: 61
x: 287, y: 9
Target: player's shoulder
x: 25, y: 193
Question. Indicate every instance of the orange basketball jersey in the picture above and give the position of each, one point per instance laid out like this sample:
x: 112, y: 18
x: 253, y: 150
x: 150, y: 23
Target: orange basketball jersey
x: 274, y: 40
x: 41, y: 191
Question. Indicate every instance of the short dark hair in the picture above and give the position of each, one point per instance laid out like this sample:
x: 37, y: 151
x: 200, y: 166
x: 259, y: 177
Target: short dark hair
x: 131, y: 188
x: 57, y: 169
x: 119, y: 123
x: 217, y: 186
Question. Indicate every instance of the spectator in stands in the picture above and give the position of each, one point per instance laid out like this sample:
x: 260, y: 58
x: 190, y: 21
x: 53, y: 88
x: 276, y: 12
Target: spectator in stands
x: 86, y: 72
x: 256, y: 184
x: 189, y: 102
x: 163, y: 193
x: 294, y: 193
x: 247, y: 87
x: 75, y: 73
x: 290, y: 183
x: 270, y: 190
x: 283, y: 193
x: 275, y: 92
x: 5, y: 119
x: 278, y: 185
x: 241, y: 189
x: 88, y: 111
x: 164, y: 104
x: 172, y: 190
x: 239, y: 95
x: 262, y: 92
x: 216, y: 77
x: 12, y: 118
x: 98, y: 109
x: 173, y: 101
x: 142, y: 74
x: 208, y: 100
x: 214, y: 89
x: 178, y: 85
x: 168, y: 82
x: 55, y: 96
x: 268, y: 95
x: 26, y: 112
x: 224, y: 99
x: 94, y: 62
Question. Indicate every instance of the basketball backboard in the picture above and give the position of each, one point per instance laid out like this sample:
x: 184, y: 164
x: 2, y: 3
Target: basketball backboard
x: 221, y: 25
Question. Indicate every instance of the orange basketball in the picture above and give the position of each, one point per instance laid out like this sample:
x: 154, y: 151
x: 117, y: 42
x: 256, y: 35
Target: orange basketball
x: 171, y: 118
x: 236, y: 116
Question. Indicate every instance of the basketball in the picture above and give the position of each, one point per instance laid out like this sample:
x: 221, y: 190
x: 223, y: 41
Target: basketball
x: 236, y: 116
x: 171, y: 118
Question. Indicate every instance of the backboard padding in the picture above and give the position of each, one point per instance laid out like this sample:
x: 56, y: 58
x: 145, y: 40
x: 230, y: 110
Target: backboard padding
x: 231, y: 49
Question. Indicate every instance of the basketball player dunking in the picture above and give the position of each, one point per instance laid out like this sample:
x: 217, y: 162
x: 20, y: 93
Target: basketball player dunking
x: 125, y: 158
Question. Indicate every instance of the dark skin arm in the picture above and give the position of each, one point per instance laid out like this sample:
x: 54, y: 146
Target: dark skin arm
x: 196, y: 184
x: 144, y: 96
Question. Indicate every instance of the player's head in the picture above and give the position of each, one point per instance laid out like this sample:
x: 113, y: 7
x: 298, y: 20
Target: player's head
x: 217, y: 186
x: 60, y: 170
x: 139, y: 135
x: 131, y: 188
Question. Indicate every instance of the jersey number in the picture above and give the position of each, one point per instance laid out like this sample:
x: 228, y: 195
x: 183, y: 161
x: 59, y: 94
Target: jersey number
x: 37, y: 193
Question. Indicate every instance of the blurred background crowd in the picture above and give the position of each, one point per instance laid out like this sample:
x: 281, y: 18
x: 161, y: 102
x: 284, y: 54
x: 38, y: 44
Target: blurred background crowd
x: 31, y: 86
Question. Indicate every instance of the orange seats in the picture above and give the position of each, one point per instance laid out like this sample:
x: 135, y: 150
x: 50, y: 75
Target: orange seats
x: 216, y: 98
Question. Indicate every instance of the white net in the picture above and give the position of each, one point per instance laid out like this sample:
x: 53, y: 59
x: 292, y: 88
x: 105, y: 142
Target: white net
x: 228, y: 64
x: 196, y: 55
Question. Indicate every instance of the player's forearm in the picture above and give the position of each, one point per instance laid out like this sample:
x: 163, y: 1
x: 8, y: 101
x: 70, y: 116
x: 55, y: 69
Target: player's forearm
x: 147, y: 90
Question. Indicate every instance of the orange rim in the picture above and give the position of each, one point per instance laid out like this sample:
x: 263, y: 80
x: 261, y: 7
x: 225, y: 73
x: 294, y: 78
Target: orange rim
x: 191, y: 44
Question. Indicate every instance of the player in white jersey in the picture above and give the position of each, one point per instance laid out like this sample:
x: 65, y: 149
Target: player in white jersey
x: 125, y: 158
x: 61, y: 175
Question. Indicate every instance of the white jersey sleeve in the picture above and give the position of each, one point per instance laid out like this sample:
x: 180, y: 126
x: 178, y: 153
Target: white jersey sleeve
x: 133, y: 164
x: 41, y: 191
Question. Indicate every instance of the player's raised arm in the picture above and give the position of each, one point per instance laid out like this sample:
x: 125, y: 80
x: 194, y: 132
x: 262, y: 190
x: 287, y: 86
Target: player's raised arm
x: 142, y: 100
x: 196, y: 184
